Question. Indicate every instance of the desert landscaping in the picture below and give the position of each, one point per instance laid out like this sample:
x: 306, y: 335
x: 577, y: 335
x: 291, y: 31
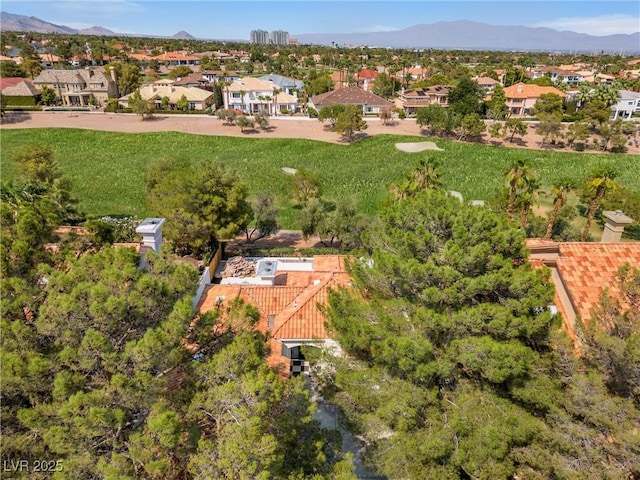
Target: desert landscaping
x: 287, y: 127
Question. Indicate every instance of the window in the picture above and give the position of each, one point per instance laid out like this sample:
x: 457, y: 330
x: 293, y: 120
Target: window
x: 235, y: 95
x: 192, y: 106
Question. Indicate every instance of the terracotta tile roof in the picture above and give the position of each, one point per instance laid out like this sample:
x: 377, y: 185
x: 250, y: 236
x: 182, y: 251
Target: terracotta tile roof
x: 367, y: 74
x: 349, y: 96
x: 528, y: 90
x: 168, y: 56
x: 292, y: 309
x: 588, y: 268
x: 10, y: 82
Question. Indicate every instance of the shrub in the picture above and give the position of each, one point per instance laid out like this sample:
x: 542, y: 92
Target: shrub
x: 401, y: 114
x: 312, y: 112
x: 580, y: 147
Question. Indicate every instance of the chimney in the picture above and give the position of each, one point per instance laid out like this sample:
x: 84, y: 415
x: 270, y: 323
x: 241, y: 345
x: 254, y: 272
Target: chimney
x: 614, y: 226
x: 151, y: 231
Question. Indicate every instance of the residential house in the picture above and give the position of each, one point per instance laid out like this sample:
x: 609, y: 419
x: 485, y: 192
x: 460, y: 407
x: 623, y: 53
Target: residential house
x: 194, y: 80
x: 252, y: 95
x: 581, y: 271
x: 214, y: 76
x: 198, y: 98
x: 416, y: 73
x: 411, y: 100
x: 487, y: 84
x: 627, y: 106
x: 287, y: 292
x: 370, y: 103
x: 285, y: 84
x: 18, y: 91
x: 591, y: 76
x: 48, y: 60
x: 556, y: 75
x: 365, y: 78
x: 177, y: 59
x: 81, y: 87
x: 521, y: 97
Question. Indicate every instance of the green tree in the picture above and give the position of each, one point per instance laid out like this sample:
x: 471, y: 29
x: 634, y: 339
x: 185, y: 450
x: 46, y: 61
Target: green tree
x: 183, y: 103
x: 515, y: 126
x: 600, y: 181
x: 202, y: 204
x: 47, y: 95
x: 548, y: 106
x: 141, y: 106
x: 36, y: 162
x: 577, y: 132
x: 349, y: 122
x: 245, y: 122
x: 560, y: 190
x: 550, y: 129
x: 471, y: 127
x: 343, y: 224
x: 12, y: 69
x: 466, y: 97
x: 265, y: 218
x: 330, y: 113
x: 497, y: 106
x: 305, y: 186
x: 517, y: 177
x: 384, y: 86
x: 596, y: 112
x: 427, y: 175
x: 431, y: 375
x: 433, y: 116
x: 127, y: 74
x: 179, y: 72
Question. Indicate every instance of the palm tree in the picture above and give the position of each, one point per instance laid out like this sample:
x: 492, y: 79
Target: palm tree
x: 598, y: 184
x: 528, y: 197
x: 561, y: 188
x: 515, y: 181
x: 276, y: 92
x: 242, y: 94
x: 425, y: 176
x: 225, y: 85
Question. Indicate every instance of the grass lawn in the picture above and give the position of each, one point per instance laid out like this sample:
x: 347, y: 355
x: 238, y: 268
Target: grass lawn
x: 107, y: 169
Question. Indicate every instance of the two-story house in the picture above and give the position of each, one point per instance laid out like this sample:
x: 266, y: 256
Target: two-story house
x: 627, y: 106
x: 521, y: 97
x: 80, y: 87
x: 252, y: 95
x: 411, y: 100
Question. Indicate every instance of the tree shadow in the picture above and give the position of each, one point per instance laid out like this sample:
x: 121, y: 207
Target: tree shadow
x: 354, y: 138
x: 15, y: 117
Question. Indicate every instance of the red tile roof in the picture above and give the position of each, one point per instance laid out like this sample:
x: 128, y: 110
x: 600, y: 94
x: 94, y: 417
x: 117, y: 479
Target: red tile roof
x: 588, y: 268
x: 528, y: 90
x: 292, y: 309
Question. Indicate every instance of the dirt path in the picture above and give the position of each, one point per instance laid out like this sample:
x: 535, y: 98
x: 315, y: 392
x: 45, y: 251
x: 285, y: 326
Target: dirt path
x: 288, y: 127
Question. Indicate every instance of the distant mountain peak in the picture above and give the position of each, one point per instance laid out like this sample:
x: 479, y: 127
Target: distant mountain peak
x: 182, y: 35
x: 472, y: 35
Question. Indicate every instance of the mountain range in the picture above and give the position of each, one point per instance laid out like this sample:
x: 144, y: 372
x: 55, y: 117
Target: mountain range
x: 468, y: 35
x: 461, y: 34
x: 21, y: 23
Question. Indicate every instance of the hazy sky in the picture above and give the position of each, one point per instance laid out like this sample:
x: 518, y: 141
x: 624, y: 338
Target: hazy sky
x: 234, y: 19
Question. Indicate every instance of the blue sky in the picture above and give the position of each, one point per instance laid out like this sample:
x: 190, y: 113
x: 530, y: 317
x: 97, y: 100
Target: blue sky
x: 234, y: 19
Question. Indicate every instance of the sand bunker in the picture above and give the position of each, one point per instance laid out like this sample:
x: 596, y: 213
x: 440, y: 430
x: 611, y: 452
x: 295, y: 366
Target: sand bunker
x: 417, y: 147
